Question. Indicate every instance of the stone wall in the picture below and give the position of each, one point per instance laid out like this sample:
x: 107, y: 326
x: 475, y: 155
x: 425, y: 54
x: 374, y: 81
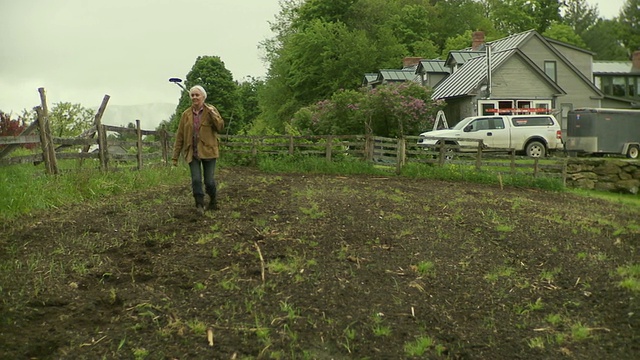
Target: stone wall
x: 614, y: 175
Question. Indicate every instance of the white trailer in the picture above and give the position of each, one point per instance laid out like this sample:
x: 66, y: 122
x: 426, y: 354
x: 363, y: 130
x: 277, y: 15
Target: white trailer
x: 600, y: 131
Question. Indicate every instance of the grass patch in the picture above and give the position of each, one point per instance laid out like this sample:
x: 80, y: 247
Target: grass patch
x: 456, y: 172
x: 631, y: 277
x: 27, y: 188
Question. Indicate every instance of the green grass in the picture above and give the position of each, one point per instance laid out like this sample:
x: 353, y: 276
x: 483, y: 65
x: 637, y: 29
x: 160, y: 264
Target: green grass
x: 25, y: 188
x: 454, y: 172
x: 631, y: 277
x: 419, y: 346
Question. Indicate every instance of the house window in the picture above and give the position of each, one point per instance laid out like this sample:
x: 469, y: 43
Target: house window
x: 606, y: 85
x: 550, y: 70
x: 619, y: 84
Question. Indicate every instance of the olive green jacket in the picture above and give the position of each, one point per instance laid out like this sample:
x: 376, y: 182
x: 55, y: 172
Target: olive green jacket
x: 211, y: 124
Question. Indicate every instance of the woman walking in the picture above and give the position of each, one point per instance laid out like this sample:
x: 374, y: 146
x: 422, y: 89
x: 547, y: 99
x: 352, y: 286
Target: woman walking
x: 197, y: 136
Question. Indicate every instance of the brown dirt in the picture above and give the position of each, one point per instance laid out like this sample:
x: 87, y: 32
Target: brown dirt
x: 144, y: 274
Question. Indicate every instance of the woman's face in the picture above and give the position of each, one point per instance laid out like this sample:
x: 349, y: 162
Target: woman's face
x: 197, y: 99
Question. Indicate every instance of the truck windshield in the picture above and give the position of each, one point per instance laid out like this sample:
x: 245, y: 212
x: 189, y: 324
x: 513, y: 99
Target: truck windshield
x: 462, y: 124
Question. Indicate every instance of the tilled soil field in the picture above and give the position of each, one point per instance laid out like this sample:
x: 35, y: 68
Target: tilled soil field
x: 324, y: 267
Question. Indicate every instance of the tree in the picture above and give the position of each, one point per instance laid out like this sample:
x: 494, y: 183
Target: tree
x: 455, y: 17
x: 604, y: 40
x: 579, y: 15
x: 70, y: 120
x: 248, y: 110
x: 564, y: 33
x: 210, y: 73
x: 514, y: 16
x: 630, y: 25
x: 316, y: 62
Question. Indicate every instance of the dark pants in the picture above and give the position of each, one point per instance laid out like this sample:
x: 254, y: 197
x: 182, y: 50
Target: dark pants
x: 200, y: 167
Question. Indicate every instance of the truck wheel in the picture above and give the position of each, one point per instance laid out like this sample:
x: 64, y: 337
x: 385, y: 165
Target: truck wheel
x: 536, y: 149
x: 449, y: 151
x: 633, y: 152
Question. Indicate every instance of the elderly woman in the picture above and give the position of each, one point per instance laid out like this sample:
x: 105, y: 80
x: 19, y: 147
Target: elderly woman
x: 197, y: 137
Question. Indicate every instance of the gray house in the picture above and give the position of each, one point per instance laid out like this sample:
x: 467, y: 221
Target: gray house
x: 521, y: 71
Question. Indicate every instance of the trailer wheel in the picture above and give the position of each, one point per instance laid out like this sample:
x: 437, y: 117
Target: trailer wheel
x: 633, y: 152
x: 536, y: 149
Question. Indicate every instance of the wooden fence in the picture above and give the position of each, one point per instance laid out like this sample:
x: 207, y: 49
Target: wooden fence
x: 390, y: 152
x: 54, y: 148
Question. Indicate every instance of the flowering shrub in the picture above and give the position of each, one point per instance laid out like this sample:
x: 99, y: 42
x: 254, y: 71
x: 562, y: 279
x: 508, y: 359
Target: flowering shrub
x: 387, y: 110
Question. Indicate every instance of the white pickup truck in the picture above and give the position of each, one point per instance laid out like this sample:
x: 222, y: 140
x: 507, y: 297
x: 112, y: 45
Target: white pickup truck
x: 534, y: 135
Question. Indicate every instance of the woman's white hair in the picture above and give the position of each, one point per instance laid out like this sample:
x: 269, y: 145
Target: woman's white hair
x: 199, y: 88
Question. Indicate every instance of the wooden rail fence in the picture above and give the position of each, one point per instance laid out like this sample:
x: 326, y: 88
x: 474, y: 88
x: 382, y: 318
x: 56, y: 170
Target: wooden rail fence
x: 382, y: 151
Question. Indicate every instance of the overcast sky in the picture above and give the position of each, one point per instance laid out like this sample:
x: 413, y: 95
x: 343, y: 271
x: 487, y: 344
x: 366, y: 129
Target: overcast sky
x: 80, y: 50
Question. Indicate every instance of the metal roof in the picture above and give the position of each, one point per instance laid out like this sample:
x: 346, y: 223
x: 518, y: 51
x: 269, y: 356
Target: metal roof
x: 466, y: 79
x: 434, y: 66
x: 612, y: 67
x: 511, y: 42
x: 462, y: 56
x: 397, y: 75
x: 370, y: 77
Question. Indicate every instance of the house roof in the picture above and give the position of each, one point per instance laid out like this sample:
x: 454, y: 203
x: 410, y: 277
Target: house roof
x: 611, y: 67
x: 468, y: 78
x: 369, y: 78
x: 432, y: 66
x: 396, y: 75
x: 461, y: 56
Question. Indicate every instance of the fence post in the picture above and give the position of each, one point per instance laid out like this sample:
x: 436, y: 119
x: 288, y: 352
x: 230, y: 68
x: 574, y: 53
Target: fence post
x: 102, y: 134
x: 291, y: 148
x: 512, y: 155
x: 564, y: 172
x: 441, y: 149
x: 479, y: 154
x: 328, y: 147
x: 165, y: 145
x: 368, y: 148
x: 401, y: 155
x: 535, y: 167
x: 45, y: 127
x: 254, y: 152
x: 139, y: 143
x: 43, y: 141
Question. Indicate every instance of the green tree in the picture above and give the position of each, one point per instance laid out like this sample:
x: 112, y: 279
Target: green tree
x: 210, y: 73
x: 248, y: 110
x: 564, y: 33
x: 514, y: 16
x: 579, y: 15
x: 630, y: 25
x: 455, y: 17
x: 70, y: 120
x: 326, y: 11
x: 410, y: 27
x: 318, y: 61
x: 604, y: 40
